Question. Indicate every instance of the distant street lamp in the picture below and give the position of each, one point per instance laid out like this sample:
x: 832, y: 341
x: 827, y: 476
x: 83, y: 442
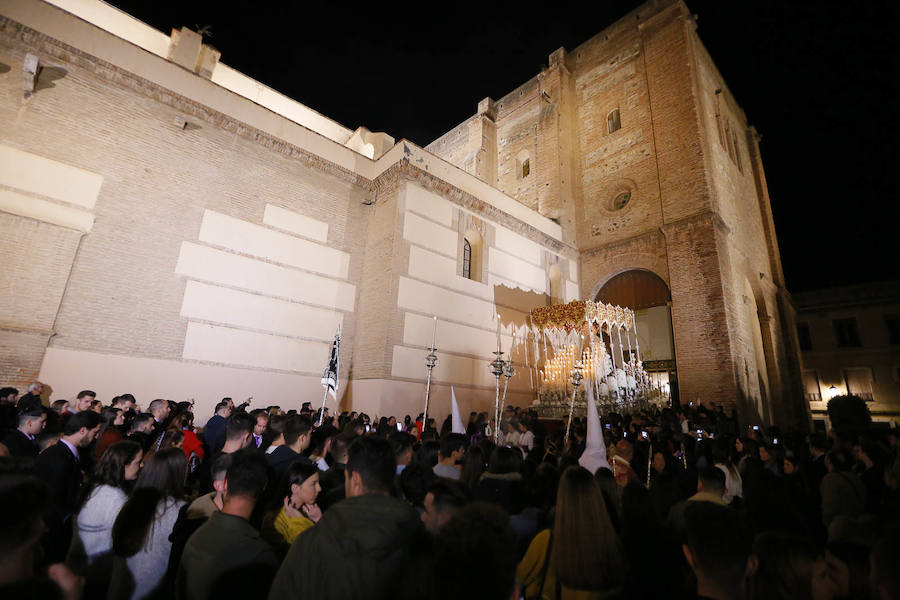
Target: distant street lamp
x: 832, y: 392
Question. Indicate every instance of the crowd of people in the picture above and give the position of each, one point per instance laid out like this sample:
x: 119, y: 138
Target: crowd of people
x: 118, y: 499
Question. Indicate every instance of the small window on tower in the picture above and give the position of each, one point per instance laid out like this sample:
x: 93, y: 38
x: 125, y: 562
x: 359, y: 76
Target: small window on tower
x: 523, y: 164
x: 613, y: 121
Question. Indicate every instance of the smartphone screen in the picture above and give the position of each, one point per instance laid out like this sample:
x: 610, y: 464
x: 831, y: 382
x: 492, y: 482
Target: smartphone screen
x: 399, y: 426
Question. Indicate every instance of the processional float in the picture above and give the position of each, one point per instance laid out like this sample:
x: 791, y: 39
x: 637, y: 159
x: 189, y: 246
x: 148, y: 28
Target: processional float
x: 585, y: 340
x: 564, y: 345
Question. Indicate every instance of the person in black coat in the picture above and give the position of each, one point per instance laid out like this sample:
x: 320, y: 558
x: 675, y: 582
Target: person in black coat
x: 59, y: 467
x: 21, y: 441
x: 214, y: 431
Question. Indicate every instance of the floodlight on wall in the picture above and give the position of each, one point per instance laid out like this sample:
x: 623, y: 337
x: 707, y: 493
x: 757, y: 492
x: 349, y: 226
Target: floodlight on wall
x: 30, y: 69
x: 832, y: 392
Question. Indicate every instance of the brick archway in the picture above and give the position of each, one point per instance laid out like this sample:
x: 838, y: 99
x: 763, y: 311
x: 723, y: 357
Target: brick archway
x: 636, y: 288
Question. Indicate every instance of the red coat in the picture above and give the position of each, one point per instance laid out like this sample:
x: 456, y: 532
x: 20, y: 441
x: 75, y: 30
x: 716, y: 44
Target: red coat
x: 109, y: 437
x: 192, y: 444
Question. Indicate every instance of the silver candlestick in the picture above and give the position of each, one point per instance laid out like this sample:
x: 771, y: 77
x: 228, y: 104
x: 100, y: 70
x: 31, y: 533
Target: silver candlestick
x: 576, y: 381
x: 430, y: 362
x: 508, y: 371
x: 497, y: 368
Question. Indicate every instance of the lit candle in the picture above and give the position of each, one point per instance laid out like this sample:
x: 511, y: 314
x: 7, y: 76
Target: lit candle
x: 433, y: 332
x: 498, y: 332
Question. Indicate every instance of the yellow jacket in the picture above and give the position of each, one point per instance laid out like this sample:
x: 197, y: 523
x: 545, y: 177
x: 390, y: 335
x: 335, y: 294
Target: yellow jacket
x: 281, y: 530
x: 530, y: 570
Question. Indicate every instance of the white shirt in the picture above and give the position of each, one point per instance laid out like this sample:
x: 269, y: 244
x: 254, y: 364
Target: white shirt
x: 526, y: 440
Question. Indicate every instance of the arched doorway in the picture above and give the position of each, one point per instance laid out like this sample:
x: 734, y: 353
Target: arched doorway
x: 649, y: 296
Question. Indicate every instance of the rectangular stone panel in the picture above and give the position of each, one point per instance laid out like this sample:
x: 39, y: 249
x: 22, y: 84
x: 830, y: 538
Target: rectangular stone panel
x: 452, y: 337
x: 429, y: 205
x: 217, y: 266
x: 251, y: 311
x: 296, y: 223
x: 48, y: 212
x: 515, y: 244
x: 427, y: 234
x: 432, y: 300
x: 211, y: 343
x: 517, y: 270
x: 247, y: 238
x: 42, y: 176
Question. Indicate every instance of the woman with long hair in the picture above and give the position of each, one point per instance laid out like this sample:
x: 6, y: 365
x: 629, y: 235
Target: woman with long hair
x: 473, y: 465
x: 141, y: 531
x: 111, y: 421
x: 102, y: 497
x: 582, y: 556
x: 296, y: 509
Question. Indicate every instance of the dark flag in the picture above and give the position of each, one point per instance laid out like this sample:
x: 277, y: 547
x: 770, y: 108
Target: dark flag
x: 330, y: 376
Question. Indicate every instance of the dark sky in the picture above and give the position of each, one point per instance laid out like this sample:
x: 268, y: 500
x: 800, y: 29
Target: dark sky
x: 819, y: 80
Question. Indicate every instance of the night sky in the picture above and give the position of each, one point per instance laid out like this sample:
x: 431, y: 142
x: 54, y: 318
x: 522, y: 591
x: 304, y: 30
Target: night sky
x: 819, y: 80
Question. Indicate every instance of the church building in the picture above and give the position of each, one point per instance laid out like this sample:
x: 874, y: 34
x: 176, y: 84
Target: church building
x: 172, y: 228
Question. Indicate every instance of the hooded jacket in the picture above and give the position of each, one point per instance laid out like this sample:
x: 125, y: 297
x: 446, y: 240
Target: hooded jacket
x: 356, y: 551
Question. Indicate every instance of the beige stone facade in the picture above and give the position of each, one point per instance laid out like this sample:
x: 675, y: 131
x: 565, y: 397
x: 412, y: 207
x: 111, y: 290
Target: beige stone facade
x: 850, y: 342
x: 176, y: 229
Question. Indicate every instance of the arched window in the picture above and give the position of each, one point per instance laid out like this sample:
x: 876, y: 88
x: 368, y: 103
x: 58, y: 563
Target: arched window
x: 613, y: 121
x: 526, y: 168
x: 467, y: 259
x: 472, y: 249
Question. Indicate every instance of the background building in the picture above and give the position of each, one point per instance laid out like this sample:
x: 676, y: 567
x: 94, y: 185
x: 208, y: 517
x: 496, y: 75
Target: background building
x: 850, y: 341
x: 173, y: 228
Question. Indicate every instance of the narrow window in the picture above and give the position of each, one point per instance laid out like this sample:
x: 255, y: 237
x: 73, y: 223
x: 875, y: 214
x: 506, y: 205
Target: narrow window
x: 846, y: 332
x: 804, y: 336
x: 613, y: 121
x: 893, y: 327
x: 523, y: 164
x: 467, y: 259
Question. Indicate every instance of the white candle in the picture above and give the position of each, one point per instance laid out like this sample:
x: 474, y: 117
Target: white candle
x: 433, y: 332
x: 498, y: 332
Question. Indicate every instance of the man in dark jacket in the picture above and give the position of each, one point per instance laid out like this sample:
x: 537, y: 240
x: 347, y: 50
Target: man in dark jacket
x: 59, y: 467
x: 297, y: 432
x: 21, y: 441
x: 214, y: 432
x: 362, y: 543
x: 226, y: 557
